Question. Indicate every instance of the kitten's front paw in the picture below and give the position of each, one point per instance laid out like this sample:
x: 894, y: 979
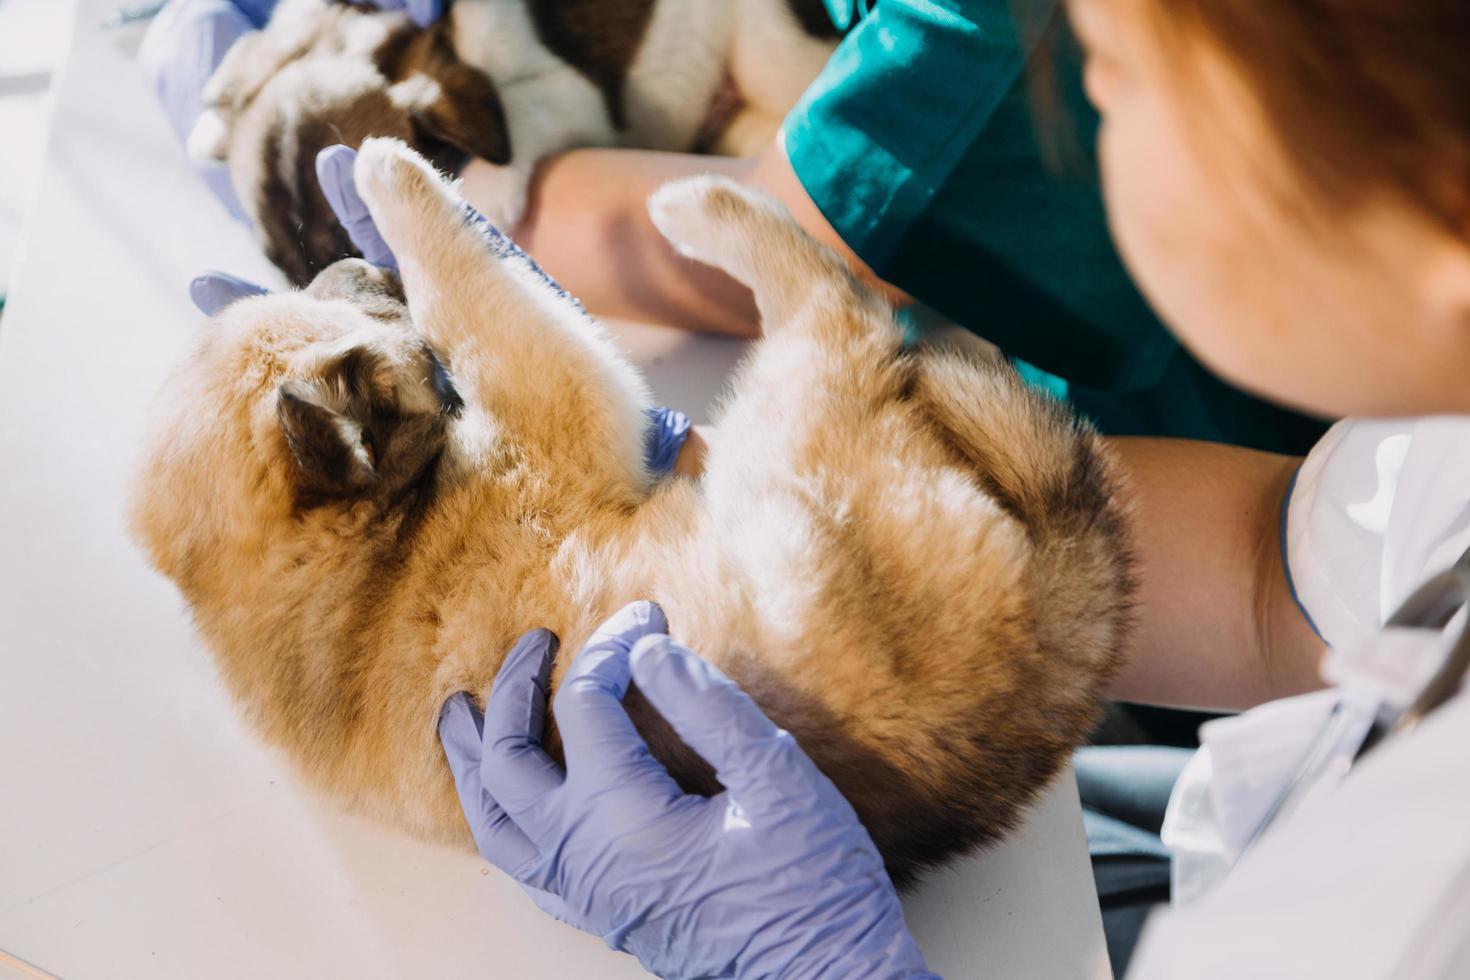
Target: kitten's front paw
x: 388, y: 170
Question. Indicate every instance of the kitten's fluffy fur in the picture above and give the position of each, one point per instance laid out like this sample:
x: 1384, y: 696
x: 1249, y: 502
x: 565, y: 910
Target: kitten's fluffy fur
x: 911, y: 561
x: 507, y: 81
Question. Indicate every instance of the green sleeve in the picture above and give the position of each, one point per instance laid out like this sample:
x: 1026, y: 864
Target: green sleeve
x: 906, y: 93
x: 919, y: 144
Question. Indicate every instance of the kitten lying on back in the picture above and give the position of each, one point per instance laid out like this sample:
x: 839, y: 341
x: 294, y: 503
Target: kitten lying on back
x: 910, y: 560
x: 508, y: 81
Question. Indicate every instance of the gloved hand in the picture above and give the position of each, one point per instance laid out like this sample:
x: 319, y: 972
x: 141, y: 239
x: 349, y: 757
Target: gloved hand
x: 184, y: 45
x: 773, y: 877
x: 188, y: 39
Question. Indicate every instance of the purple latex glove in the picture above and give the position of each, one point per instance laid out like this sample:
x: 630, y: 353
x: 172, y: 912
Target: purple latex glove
x: 667, y: 429
x: 334, y: 171
x: 773, y: 877
x: 184, y: 45
x: 213, y: 291
x: 421, y: 12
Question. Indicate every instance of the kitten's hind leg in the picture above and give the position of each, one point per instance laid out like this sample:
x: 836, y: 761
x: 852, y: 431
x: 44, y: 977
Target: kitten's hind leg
x: 752, y: 237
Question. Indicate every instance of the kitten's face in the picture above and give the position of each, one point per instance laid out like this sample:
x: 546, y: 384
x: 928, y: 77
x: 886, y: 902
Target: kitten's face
x: 326, y: 398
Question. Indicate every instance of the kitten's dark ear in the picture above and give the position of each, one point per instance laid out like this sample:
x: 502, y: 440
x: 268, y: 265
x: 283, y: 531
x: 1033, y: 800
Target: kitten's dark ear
x: 464, y: 114
x: 332, y: 450
x: 370, y: 425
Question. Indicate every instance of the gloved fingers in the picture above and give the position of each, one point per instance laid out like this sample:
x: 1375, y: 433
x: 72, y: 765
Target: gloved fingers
x: 602, y: 744
x: 213, y: 291
x: 665, y: 436
x: 499, y: 840
x: 334, y: 171
x: 184, y: 45
x: 421, y: 12
x: 626, y: 627
x: 425, y: 12
x: 758, y: 762
x: 515, y: 770
x: 259, y: 11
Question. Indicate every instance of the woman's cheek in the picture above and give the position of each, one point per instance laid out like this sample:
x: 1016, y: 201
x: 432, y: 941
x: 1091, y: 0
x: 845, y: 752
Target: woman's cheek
x: 1129, y: 194
x: 1156, y: 228
x: 1100, y: 83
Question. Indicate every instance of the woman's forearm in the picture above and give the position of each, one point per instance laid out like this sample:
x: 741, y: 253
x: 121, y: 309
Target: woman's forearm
x: 1216, y: 624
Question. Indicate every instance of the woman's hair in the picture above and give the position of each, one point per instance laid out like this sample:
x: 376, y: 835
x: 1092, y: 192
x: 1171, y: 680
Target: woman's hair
x: 1365, y: 96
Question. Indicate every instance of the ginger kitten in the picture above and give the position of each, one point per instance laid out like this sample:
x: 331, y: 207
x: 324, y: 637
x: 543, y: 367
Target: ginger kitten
x: 366, y: 491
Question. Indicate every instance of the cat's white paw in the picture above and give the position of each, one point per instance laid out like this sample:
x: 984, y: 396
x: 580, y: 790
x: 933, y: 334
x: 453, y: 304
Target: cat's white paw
x: 209, y: 140
x: 409, y: 201
x: 387, y: 170
x: 684, y: 212
x: 714, y: 219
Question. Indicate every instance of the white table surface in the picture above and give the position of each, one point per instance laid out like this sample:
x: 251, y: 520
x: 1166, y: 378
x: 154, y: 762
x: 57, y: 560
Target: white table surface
x: 143, y: 831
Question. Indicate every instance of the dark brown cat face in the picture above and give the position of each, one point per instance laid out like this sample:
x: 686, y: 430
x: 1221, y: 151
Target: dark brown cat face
x: 362, y: 399
x: 363, y: 75
x: 368, y: 418
x: 327, y: 400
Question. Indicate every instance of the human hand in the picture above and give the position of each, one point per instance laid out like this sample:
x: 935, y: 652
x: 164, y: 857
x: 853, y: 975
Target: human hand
x: 213, y: 291
x: 184, y: 45
x: 775, y: 876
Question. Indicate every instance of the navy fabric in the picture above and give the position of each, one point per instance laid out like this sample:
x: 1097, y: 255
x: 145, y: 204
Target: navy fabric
x: 259, y: 11
x: 1125, y: 790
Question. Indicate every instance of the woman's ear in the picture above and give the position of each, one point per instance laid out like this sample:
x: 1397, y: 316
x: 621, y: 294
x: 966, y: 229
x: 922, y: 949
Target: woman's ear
x: 1445, y: 283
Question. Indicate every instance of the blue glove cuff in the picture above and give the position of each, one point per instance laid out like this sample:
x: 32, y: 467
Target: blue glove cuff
x: 666, y: 434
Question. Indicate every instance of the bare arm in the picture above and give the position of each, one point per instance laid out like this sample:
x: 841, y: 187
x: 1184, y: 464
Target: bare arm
x: 1217, y: 627
x: 587, y: 224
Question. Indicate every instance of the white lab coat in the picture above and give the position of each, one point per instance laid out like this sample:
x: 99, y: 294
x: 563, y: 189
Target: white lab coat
x: 1371, y: 876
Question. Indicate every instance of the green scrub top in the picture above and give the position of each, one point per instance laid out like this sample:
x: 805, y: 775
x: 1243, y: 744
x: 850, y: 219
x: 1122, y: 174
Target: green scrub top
x: 919, y: 144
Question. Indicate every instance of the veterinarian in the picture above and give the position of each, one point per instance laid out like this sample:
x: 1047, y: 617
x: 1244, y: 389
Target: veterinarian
x: 1290, y: 185
x: 913, y: 154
